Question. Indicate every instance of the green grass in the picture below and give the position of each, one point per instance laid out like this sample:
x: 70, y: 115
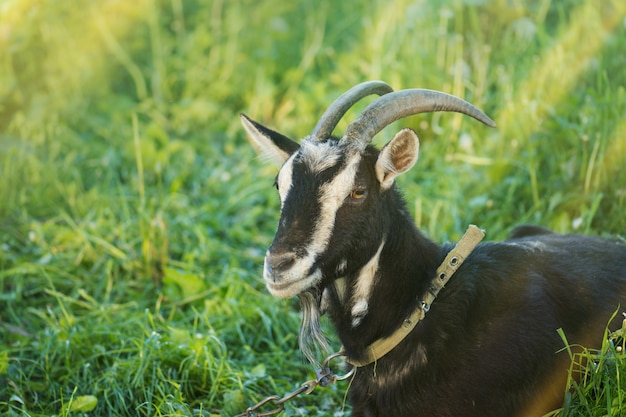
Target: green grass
x: 134, y: 216
x: 595, y: 385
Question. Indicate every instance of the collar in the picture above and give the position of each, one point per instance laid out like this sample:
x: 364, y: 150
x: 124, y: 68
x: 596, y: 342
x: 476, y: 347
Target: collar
x: 448, y: 267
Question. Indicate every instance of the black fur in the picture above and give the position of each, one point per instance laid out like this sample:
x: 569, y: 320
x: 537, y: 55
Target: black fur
x: 489, y: 344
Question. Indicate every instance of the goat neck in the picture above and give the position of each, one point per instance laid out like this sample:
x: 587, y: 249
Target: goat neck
x: 372, y: 301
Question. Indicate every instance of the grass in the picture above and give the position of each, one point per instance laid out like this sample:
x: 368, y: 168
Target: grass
x: 595, y: 385
x: 134, y: 216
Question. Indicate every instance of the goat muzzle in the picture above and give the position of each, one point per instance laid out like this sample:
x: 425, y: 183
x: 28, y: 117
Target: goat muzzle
x: 279, y: 262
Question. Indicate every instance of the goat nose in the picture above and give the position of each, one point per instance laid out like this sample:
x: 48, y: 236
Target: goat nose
x: 280, y: 261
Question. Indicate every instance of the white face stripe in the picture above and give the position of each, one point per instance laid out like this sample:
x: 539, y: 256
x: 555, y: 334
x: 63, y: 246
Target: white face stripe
x: 284, y: 178
x: 331, y: 196
x: 363, y: 287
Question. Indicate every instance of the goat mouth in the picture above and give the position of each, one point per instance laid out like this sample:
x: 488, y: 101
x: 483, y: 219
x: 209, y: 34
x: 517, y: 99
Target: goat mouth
x: 289, y: 285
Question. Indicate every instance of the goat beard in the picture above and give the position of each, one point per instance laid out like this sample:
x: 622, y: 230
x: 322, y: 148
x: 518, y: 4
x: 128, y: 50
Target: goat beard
x: 312, y: 340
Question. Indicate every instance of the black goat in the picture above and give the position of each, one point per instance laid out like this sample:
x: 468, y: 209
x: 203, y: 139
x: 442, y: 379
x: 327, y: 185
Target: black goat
x: 488, y: 345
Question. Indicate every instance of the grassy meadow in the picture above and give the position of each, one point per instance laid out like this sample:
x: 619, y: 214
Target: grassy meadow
x: 134, y: 215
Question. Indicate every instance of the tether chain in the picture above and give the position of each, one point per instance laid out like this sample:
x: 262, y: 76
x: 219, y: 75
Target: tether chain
x: 323, y: 377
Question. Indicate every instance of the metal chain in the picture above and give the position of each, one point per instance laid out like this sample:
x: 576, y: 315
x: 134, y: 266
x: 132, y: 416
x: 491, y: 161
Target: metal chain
x: 323, y: 377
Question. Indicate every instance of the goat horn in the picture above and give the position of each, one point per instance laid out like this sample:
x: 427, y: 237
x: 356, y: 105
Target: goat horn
x: 341, y: 105
x: 391, y: 107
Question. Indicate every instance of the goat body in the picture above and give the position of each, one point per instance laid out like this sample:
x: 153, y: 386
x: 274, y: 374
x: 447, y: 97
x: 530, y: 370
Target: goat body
x: 489, y: 345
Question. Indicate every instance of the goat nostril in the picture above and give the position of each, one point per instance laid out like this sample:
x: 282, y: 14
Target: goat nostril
x: 281, y: 261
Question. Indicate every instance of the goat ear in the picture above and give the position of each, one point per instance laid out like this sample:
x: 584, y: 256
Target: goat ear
x: 272, y: 145
x: 398, y: 156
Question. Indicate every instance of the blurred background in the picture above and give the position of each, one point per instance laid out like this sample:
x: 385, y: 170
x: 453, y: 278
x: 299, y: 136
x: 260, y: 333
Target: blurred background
x: 134, y: 215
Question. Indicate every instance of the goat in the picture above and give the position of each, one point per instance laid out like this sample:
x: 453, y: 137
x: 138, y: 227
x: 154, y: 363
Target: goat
x: 487, y: 345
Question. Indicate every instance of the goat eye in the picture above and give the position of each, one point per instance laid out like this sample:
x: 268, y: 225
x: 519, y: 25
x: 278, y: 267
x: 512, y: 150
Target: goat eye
x: 358, y: 194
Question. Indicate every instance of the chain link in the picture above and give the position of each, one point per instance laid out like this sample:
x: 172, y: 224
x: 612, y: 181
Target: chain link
x: 323, y: 377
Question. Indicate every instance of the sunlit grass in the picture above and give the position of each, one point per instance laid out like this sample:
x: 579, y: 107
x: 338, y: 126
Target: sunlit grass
x: 134, y: 216
x: 551, y: 78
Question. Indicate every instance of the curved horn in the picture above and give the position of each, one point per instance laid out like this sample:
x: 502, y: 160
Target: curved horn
x: 341, y: 105
x: 391, y: 107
